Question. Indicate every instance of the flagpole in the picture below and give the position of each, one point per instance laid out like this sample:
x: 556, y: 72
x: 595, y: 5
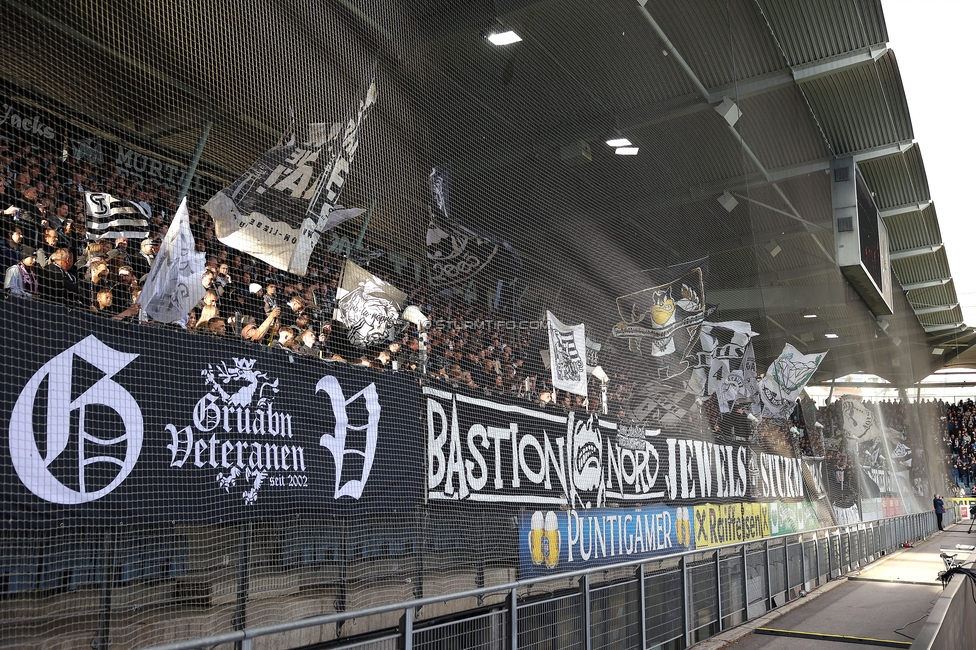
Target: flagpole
x: 362, y: 231
x: 192, y: 169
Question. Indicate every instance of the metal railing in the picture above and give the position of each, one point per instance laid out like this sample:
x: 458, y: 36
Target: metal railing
x: 669, y: 603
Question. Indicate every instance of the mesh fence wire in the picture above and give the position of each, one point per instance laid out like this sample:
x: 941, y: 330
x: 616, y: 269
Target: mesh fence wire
x: 424, y: 328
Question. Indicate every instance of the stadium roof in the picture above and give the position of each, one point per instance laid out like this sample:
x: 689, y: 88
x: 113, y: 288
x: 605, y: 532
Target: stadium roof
x: 524, y: 128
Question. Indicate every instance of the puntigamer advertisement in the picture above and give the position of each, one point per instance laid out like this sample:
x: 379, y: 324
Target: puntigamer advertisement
x: 593, y: 492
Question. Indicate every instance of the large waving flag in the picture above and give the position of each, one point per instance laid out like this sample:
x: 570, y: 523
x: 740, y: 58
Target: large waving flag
x: 785, y: 379
x: 175, y: 282
x: 109, y: 218
x: 277, y: 210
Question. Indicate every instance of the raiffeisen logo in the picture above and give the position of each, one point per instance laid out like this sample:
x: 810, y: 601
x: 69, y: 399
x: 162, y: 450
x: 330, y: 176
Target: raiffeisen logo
x: 68, y: 467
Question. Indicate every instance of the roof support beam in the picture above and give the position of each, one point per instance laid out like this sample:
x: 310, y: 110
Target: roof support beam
x: 935, y: 310
x: 912, y: 286
x: 781, y: 300
x: 941, y: 328
x: 962, y: 332
x: 904, y: 209
x: 833, y: 65
x: 915, y: 252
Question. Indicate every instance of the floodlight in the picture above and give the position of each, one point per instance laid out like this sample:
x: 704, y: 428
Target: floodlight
x: 504, y: 38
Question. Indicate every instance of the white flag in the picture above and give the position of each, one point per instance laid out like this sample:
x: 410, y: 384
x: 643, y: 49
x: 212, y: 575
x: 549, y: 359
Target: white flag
x: 368, y: 306
x: 785, y: 380
x: 175, y: 282
x: 567, y: 349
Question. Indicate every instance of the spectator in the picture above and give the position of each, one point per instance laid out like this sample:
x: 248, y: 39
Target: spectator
x: 10, y: 247
x: 142, y: 261
x: 286, y: 339
x: 253, y: 332
x: 20, y: 279
x: 104, y: 304
x: 270, y: 297
x: 57, y: 282
x: 309, y: 344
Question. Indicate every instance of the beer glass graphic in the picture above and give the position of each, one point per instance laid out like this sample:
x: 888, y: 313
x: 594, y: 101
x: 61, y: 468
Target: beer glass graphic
x: 550, y: 540
x: 683, y: 526
x: 535, y: 538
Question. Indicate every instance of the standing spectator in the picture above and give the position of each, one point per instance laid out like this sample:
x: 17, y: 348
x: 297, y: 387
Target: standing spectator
x: 47, y: 247
x: 20, y: 279
x: 57, y: 282
x: 939, y: 506
x: 253, y: 332
x: 142, y: 261
x: 270, y: 298
x: 10, y: 247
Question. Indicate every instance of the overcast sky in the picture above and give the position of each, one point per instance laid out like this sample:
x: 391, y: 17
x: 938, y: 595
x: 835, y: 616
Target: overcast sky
x: 932, y: 41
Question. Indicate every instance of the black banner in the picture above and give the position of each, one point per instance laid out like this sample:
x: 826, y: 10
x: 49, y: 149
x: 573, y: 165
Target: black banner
x: 506, y: 451
x: 128, y: 423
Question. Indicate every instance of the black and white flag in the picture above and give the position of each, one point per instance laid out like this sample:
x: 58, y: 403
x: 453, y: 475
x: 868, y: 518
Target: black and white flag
x: 368, y: 306
x: 109, y: 218
x: 455, y: 252
x: 175, y: 282
x: 278, y: 209
x: 718, y: 365
x: 567, y: 351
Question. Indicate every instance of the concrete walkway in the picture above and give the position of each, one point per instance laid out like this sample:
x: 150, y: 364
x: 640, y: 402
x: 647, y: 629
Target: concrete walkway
x: 884, y: 604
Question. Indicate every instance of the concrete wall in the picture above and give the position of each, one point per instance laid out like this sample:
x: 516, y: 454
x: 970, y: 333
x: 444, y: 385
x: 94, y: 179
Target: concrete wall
x: 952, y: 623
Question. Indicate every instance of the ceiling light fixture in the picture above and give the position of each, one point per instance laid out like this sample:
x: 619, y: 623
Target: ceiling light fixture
x: 626, y: 151
x: 504, y: 38
x: 830, y: 335
x: 809, y: 315
x: 938, y: 350
x: 773, y: 248
x: 619, y: 142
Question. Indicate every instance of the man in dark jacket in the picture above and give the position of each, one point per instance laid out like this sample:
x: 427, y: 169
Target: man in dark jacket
x: 939, y: 506
x: 58, y: 282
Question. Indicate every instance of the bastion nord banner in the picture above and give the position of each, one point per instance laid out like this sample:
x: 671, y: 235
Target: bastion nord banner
x: 113, y: 423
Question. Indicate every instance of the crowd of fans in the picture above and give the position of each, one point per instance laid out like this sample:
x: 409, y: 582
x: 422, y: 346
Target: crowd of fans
x: 957, y: 425
x: 47, y: 256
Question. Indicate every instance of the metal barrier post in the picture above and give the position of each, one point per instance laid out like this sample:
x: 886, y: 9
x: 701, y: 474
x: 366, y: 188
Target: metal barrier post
x: 687, y: 604
x: 769, y: 581
x: 830, y: 558
x: 803, y: 564
x: 587, y: 634
x: 643, y: 602
x: 718, y: 586
x: 406, y: 625
x: 513, y: 619
x: 745, y: 582
x: 786, y: 566
x: 816, y: 550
